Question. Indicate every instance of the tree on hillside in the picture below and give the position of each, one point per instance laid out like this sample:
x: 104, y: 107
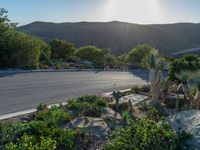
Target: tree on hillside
x: 91, y: 53
x: 61, y: 49
x: 136, y: 55
x: 18, y: 49
x: 45, y: 51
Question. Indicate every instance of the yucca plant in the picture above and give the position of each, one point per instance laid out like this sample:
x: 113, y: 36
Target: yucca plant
x: 186, y: 77
x: 156, y: 64
x: 196, y: 82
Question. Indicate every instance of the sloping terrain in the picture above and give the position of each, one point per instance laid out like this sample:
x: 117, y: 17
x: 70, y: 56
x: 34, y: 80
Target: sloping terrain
x: 120, y: 37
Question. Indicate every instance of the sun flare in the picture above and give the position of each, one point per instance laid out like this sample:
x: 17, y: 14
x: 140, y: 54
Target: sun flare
x: 135, y: 10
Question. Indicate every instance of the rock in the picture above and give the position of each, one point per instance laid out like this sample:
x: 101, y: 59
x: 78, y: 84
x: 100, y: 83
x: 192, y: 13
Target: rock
x: 95, y: 126
x: 188, y: 121
x: 109, y: 113
x: 25, y: 119
x: 111, y: 117
x: 124, y: 101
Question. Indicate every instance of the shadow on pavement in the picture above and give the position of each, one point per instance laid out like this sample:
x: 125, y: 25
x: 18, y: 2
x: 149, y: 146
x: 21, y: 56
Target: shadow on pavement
x: 142, y: 73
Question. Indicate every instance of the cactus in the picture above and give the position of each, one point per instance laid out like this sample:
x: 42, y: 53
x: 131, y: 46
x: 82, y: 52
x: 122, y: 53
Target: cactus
x: 117, y: 95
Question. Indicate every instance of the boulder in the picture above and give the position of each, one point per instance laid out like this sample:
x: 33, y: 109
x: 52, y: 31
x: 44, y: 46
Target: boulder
x: 107, y: 112
x: 188, y: 121
x: 93, y: 126
x: 111, y: 117
x: 124, y: 101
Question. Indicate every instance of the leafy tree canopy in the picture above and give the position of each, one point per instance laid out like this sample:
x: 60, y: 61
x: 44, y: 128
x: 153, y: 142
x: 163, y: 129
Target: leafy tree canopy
x: 62, y: 49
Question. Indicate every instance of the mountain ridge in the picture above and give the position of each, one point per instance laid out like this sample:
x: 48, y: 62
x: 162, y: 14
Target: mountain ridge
x: 121, y: 37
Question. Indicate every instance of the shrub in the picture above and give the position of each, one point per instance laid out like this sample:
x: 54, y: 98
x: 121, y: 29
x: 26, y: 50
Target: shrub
x: 88, y: 105
x: 154, y: 114
x: 41, y: 107
x: 66, y: 139
x: 11, y: 131
x: 101, y: 102
x: 88, y: 98
x: 58, y: 66
x: 145, y: 88
x: 125, y: 115
x: 143, y: 134
x: 54, y: 116
x: 136, y: 89
x: 31, y: 135
x: 66, y: 66
x: 84, y: 109
x: 31, y: 142
x: 44, y: 66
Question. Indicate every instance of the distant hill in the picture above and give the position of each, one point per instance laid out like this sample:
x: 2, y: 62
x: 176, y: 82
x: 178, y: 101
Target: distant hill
x: 119, y: 36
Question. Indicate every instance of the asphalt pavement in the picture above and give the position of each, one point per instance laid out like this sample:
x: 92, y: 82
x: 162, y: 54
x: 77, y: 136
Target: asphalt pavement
x: 21, y: 91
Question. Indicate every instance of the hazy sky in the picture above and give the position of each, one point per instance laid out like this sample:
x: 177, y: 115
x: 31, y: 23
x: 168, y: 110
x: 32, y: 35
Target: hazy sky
x: 135, y: 11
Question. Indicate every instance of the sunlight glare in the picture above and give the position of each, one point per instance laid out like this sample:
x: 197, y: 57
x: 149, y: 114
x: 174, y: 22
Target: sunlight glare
x: 142, y: 11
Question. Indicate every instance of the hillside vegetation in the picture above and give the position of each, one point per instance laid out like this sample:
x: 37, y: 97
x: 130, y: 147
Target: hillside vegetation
x: 119, y: 36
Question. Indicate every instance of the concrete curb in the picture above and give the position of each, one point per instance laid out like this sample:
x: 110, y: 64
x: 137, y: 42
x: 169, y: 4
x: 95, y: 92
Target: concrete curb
x: 29, y: 111
x: 60, y: 70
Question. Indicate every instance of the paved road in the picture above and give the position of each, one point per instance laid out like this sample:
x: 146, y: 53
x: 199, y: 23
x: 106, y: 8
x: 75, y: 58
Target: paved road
x: 187, y: 51
x: 26, y: 90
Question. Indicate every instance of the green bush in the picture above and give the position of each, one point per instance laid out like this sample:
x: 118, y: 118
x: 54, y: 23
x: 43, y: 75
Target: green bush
x: 136, y: 89
x: 144, y: 134
x: 66, y: 66
x: 54, y: 116
x: 58, y: 66
x: 10, y: 131
x: 29, y: 142
x: 41, y: 107
x: 88, y: 98
x: 84, y: 109
x: 154, y: 115
x: 66, y: 139
x: 101, y: 102
x: 14, y: 136
x: 88, y: 105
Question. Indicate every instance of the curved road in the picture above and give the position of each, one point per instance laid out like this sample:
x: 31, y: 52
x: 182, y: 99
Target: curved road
x: 26, y: 90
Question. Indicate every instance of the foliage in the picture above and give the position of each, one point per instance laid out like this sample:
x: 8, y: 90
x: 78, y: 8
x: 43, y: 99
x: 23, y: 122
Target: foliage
x: 195, y: 79
x: 154, y: 61
x: 41, y: 107
x: 87, y: 105
x: 62, y: 49
x: 35, y: 135
x: 136, y: 55
x: 125, y: 115
x: 30, y: 142
x: 145, y: 134
x: 188, y: 63
x: 186, y: 77
x: 66, y: 139
x: 54, y: 116
x: 58, y: 66
x: 18, y: 49
x: 90, y: 53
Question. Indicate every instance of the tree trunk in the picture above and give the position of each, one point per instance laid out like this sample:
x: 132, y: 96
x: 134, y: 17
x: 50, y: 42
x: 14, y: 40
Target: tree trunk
x: 188, y: 95
x: 155, y: 79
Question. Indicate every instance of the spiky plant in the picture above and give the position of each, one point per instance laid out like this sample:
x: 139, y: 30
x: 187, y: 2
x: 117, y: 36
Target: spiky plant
x: 186, y: 77
x: 195, y: 80
x: 156, y: 65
